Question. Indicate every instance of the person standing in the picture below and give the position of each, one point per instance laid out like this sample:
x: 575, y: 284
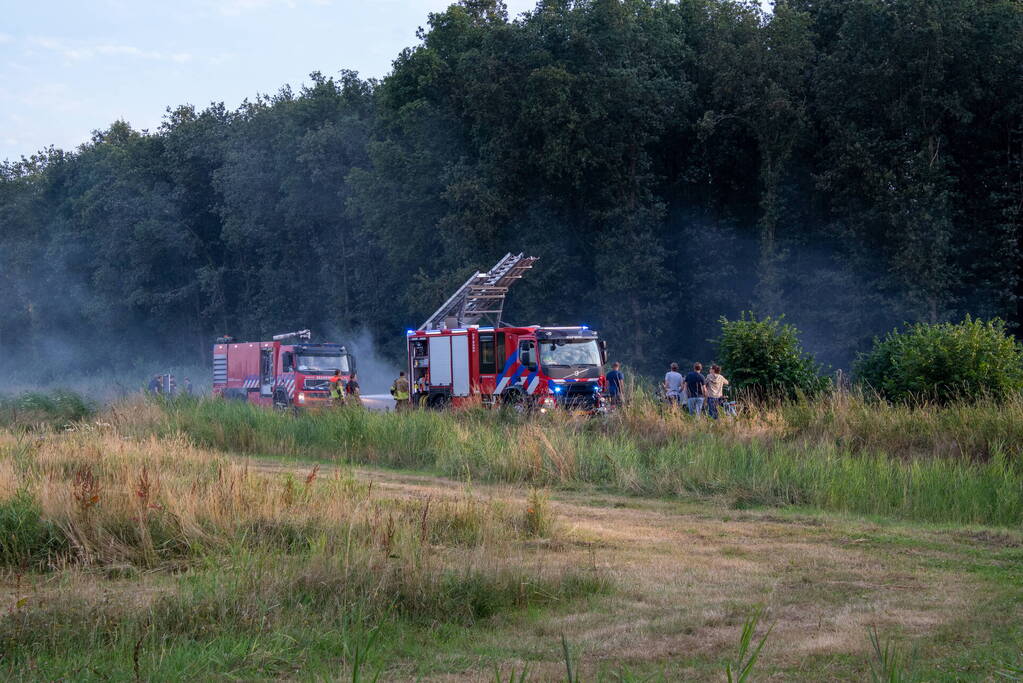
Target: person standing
x: 716, y: 384
x: 696, y: 388
x: 399, y: 390
x: 155, y: 386
x: 352, y: 391
x: 337, y: 389
x: 673, y: 385
x: 187, y: 387
x: 615, y: 383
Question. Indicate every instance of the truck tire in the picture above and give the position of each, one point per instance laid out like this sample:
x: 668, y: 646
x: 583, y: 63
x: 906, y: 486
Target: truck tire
x: 515, y: 400
x: 438, y: 401
x: 281, y: 401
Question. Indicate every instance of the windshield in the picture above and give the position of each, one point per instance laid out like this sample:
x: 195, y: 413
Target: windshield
x: 567, y: 352
x: 321, y: 364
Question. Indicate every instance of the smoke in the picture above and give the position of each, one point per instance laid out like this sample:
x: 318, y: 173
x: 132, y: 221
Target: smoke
x: 375, y: 372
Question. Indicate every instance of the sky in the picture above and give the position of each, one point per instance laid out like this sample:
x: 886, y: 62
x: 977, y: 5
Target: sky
x: 68, y: 67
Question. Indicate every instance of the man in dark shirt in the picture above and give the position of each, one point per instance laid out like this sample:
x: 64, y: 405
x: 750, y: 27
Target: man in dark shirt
x: 696, y: 389
x: 615, y: 380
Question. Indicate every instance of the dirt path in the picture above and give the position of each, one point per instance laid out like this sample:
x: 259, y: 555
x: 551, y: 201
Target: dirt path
x: 688, y: 573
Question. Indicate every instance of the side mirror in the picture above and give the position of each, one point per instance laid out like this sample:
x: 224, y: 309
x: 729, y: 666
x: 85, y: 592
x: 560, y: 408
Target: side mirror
x: 603, y: 351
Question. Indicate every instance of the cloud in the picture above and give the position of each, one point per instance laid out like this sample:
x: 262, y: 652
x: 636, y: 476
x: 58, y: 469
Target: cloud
x: 5, y: 38
x: 233, y: 8
x: 85, y: 51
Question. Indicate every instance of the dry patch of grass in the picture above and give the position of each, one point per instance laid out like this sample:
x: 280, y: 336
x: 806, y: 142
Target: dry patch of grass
x: 687, y: 581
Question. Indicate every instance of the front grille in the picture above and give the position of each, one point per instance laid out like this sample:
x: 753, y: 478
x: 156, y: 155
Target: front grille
x: 316, y: 385
x: 580, y: 397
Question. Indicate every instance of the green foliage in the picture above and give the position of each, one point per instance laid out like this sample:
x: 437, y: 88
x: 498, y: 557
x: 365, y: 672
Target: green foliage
x: 58, y: 408
x: 26, y: 539
x: 746, y: 658
x: 944, y: 362
x: 889, y: 664
x: 854, y: 164
x: 764, y: 357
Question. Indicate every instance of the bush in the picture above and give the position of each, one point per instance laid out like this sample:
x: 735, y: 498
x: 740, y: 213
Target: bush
x: 764, y: 357
x: 26, y: 539
x: 944, y: 362
x: 57, y: 408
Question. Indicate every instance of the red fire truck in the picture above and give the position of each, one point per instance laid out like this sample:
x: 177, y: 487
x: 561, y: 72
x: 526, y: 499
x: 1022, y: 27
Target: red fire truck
x: 453, y: 360
x: 282, y: 375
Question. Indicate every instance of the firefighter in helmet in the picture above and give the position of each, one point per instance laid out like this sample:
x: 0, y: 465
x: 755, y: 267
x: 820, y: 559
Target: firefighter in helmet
x: 399, y: 390
x: 337, y: 389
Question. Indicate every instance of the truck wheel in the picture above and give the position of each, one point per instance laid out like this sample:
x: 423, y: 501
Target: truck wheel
x: 515, y: 401
x: 438, y: 401
x: 281, y: 401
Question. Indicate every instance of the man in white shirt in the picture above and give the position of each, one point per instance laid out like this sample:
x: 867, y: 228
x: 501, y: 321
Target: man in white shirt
x: 673, y: 385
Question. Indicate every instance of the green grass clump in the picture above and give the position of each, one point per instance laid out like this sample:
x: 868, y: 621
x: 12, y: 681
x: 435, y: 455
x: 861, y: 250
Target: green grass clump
x: 26, y: 538
x: 59, y: 408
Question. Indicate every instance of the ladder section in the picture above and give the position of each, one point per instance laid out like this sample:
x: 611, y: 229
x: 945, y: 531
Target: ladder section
x: 481, y: 298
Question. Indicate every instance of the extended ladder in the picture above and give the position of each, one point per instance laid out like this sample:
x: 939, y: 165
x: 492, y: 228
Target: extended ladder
x: 481, y: 298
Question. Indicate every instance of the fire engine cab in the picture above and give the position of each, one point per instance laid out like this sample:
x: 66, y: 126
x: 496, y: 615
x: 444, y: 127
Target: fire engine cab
x: 453, y: 360
x: 278, y: 374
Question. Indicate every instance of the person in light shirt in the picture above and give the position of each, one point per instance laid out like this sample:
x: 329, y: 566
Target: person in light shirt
x: 716, y: 384
x: 673, y: 385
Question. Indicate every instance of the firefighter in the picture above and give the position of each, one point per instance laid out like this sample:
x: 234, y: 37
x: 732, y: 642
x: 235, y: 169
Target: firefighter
x: 352, y: 391
x: 399, y: 390
x: 337, y: 389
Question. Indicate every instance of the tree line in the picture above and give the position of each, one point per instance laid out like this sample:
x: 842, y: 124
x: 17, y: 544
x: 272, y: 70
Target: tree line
x: 851, y: 164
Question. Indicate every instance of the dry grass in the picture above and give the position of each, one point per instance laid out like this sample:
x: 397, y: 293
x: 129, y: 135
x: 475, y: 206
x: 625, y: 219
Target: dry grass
x: 143, y: 538
x: 125, y: 501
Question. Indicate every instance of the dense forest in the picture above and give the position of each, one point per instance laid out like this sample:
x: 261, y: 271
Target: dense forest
x: 851, y: 164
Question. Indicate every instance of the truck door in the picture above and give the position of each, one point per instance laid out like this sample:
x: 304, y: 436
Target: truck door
x: 266, y: 372
x: 460, y: 365
x: 440, y: 361
x: 528, y: 360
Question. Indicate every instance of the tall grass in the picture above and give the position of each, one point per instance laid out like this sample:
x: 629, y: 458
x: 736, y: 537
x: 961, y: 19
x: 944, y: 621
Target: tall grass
x: 957, y: 464
x: 244, y: 552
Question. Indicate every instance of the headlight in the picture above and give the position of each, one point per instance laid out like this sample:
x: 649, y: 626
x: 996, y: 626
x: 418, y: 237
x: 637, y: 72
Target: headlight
x: 557, y: 389
x: 301, y: 397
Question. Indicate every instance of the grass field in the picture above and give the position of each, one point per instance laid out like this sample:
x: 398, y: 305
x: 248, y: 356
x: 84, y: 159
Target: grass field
x: 962, y: 464
x: 199, y: 539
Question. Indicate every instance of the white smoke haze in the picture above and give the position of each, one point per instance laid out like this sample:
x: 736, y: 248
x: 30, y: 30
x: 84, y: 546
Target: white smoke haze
x: 375, y: 373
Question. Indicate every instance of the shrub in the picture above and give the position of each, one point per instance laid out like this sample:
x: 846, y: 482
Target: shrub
x: 25, y: 537
x: 944, y: 362
x: 764, y: 357
x: 58, y: 408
